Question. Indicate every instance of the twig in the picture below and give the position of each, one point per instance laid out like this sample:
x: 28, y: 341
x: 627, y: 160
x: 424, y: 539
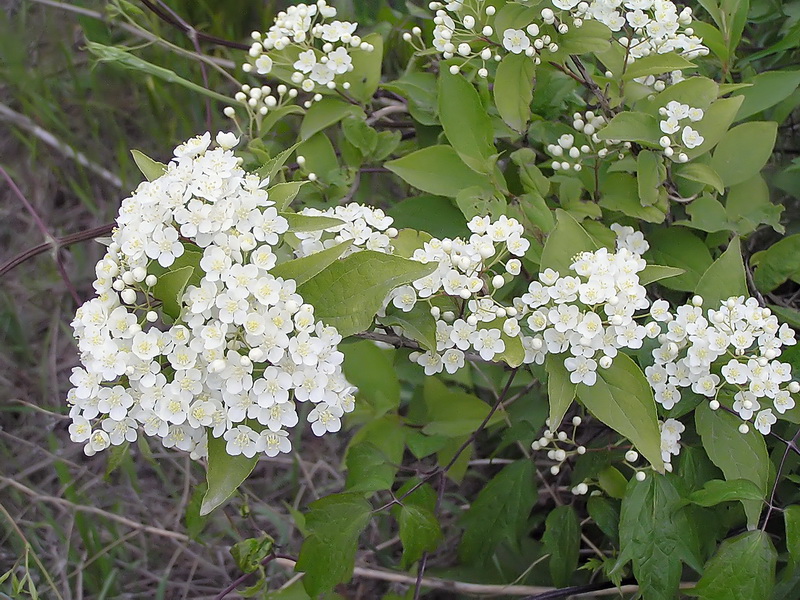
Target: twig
x: 242, y: 578
x: 183, y: 26
x: 62, y: 242
x: 23, y: 122
x: 792, y: 444
x: 46, y: 233
x: 592, y: 86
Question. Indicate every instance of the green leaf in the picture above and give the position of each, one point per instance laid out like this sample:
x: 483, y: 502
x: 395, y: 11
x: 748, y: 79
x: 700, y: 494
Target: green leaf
x: 623, y: 399
x: 655, y: 534
x: 562, y: 540
x: 679, y: 248
x: 649, y: 176
x: 499, y: 512
x: 249, y: 553
x: 791, y: 518
x: 564, y: 242
x: 269, y: 169
x: 453, y: 413
x: 717, y: 491
x: 282, y: 194
x: 724, y: 278
x: 742, y: 569
x: 437, y: 170
x: 418, y: 324
x: 225, y: 474
x: 150, y: 168
x: 278, y: 114
x: 298, y: 222
x: 419, y: 532
x: 169, y: 289
x: 605, y: 514
x: 434, y: 214
x: 732, y: 162
x: 748, y: 205
x: 656, y: 64
x: 328, y: 554
x: 621, y: 192
x: 513, y: 90
x: 632, y: 127
x: 348, y: 293
x: 419, y: 89
x: 768, y: 89
x: 361, y: 135
x: 653, y: 273
x: 715, y: 124
x: 707, y: 214
x: 778, y: 263
x: 304, y: 268
x: 319, y: 154
x: 612, y: 482
x: 536, y: 210
x: 366, y: 73
x: 560, y: 390
x: 738, y: 456
x: 701, y: 174
x: 465, y: 121
x: 325, y: 113
x: 368, y: 469
x: 695, y: 91
x: 370, y: 369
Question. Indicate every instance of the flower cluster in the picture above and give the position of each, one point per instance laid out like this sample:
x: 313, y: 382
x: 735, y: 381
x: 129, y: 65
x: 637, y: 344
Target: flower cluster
x: 468, y: 34
x: 568, y: 152
x: 553, y: 441
x: 367, y: 228
x: 742, y: 340
x: 656, y: 26
x: 671, y: 431
x: 305, y: 40
x: 239, y: 350
x: 673, y: 114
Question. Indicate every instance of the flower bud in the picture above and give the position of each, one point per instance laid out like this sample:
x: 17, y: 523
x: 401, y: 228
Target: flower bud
x: 576, y: 421
x: 631, y: 456
x: 713, y: 405
x: 640, y: 475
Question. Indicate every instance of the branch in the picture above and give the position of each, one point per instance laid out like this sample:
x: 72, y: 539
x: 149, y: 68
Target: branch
x: 186, y: 28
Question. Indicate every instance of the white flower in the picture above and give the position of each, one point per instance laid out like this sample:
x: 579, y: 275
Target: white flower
x: 488, y: 343
x: 691, y: 138
x: 582, y: 370
x: 764, y: 421
x: 515, y: 40
x: 263, y: 64
x: 305, y: 61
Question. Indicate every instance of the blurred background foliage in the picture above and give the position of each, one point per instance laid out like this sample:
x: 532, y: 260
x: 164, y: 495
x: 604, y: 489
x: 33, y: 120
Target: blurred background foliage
x: 67, y: 123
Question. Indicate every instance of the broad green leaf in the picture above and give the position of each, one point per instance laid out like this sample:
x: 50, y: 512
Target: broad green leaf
x: 298, y: 222
x: 465, y: 121
x: 701, y: 174
x: 418, y: 324
x: 649, y: 167
x: 366, y: 73
x: 788, y: 315
x: 744, y: 150
x: 475, y: 201
x: 225, y: 474
x: 328, y: 553
x: 655, y: 534
x: 716, y: 491
x: 282, y: 194
x: 605, y: 514
x: 560, y: 390
x: 511, y: 14
x: 742, y: 569
x: 632, y: 127
x: 738, y: 456
x: 513, y: 90
x: 433, y: 214
x: 623, y: 399
x: 530, y: 175
x: 562, y: 540
x: 778, y: 263
x: 369, y: 469
x: 612, y: 482
x: 453, y: 413
x: 564, y: 242
x: 653, y: 273
x: 361, y: 135
x: 621, y: 192
x: 536, y: 210
x: 592, y: 36
x: 319, y: 154
x: 707, y: 214
x: 768, y: 89
x: 419, y: 89
x: 679, y: 248
x: 791, y: 518
x: 499, y: 512
x: 656, y: 64
x: 749, y: 205
x: 124, y: 58
x: 348, y: 293
x: 150, y: 168
x: 278, y: 114
x: 696, y: 91
x: 325, y: 113
x: 169, y: 289
x: 409, y: 240
x: 715, y: 124
x: 724, y: 278
x: 419, y: 533
x: 437, y: 170
x: 304, y: 268
x: 370, y: 369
